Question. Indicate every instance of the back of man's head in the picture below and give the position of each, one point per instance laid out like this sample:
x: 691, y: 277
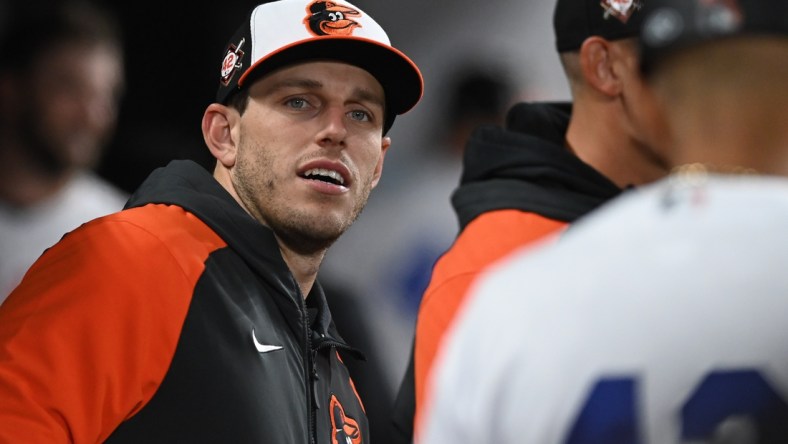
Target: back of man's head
x: 576, y: 20
x: 671, y: 26
x: 720, y: 67
x: 725, y: 41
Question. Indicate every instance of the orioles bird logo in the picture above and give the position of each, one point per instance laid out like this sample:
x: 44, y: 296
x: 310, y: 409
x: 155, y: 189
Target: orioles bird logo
x: 344, y: 428
x: 327, y: 18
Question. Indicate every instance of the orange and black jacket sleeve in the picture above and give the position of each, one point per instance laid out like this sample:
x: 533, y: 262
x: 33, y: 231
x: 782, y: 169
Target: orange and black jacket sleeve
x: 87, y: 337
x: 488, y: 238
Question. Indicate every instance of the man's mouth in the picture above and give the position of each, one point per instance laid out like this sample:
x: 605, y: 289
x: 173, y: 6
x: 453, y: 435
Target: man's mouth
x: 324, y: 175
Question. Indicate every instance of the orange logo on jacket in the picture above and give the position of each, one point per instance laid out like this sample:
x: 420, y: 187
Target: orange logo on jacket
x: 344, y: 428
x: 328, y: 18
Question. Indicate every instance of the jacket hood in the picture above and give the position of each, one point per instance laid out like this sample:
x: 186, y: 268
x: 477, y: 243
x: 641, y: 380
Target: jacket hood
x: 188, y: 185
x: 527, y: 167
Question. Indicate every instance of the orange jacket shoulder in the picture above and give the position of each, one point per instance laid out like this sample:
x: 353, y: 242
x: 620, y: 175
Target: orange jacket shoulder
x: 87, y: 337
x: 485, y: 240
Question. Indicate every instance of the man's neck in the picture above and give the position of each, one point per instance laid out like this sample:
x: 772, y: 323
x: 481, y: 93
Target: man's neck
x: 303, y: 266
x: 730, y: 150
x: 600, y: 137
x: 740, y: 132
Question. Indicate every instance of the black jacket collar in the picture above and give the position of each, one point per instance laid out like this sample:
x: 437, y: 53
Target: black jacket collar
x: 527, y: 167
x: 188, y: 185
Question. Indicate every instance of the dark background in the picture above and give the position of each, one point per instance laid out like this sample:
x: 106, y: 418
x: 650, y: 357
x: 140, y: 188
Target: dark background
x: 173, y: 51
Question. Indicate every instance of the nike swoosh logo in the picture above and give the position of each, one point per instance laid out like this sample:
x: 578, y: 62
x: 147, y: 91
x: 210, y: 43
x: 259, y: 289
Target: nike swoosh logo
x: 264, y: 348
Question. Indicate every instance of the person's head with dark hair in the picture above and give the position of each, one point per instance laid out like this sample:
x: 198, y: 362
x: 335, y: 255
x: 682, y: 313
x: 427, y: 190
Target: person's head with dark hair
x: 474, y: 95
x: 478, y: 93
x: 61, y: 75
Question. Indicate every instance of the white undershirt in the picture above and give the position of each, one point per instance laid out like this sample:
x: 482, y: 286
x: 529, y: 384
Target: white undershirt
x: 26, y: 232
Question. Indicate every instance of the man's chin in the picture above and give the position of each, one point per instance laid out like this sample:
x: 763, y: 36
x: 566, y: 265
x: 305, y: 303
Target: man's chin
x: 310, y: 238
x: 307, y: 243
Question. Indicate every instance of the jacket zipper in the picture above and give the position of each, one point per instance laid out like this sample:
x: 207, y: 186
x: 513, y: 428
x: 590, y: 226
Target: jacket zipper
x: 315, y: 377
x: 309, y: 369
x: 312, y: 395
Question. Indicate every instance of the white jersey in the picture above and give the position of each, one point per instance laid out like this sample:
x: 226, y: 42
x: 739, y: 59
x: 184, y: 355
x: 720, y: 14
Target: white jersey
x: 661, y: 318
x: 26, y: 232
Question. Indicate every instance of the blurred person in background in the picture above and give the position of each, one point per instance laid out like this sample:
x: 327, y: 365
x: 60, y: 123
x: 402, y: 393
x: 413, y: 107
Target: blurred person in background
x: 61, y: 78
x: 659, y: 319
x: 552, y: 164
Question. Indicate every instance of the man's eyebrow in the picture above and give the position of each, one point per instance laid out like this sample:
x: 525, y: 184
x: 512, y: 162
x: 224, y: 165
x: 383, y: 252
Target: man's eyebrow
x: 365, y: 95
x: 296, y: 83
x: 359, y: 94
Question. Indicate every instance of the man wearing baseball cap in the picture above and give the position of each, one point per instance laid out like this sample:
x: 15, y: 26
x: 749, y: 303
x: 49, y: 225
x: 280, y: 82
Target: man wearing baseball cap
x: 661, y: 317
x: 551, y: 165
x: 194, y: 314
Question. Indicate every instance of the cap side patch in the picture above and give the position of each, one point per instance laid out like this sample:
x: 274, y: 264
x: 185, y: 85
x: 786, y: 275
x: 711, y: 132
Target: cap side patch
x: 620, y: 9
x: 232, y: 62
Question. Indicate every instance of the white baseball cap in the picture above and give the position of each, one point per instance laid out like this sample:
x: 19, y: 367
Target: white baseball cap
x: 284, y: 32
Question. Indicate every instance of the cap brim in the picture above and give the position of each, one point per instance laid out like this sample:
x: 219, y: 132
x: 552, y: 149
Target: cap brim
x: 398, y: 75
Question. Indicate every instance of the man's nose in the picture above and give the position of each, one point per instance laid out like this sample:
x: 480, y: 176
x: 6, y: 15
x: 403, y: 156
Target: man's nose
x: 334, y: 126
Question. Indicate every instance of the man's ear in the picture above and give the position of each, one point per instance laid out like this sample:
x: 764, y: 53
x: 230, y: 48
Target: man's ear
x: 384, y: 147
x: 597, y: 59
x: 218, y: 125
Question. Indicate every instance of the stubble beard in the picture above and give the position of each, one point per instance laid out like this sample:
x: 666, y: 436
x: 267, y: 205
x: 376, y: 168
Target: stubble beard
x: 305, y: 233
x: 302, y: 231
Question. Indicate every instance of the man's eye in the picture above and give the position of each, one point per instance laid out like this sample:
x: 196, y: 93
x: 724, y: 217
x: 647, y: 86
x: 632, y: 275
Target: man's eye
x: 297, y: 103
x: 362, y: 116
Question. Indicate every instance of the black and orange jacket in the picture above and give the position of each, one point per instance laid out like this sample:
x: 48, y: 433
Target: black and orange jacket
x: 518, y: 185
x: 175, y: 320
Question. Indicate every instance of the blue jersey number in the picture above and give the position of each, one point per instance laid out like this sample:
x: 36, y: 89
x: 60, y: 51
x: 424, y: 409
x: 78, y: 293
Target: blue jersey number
x: 610, y: 414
